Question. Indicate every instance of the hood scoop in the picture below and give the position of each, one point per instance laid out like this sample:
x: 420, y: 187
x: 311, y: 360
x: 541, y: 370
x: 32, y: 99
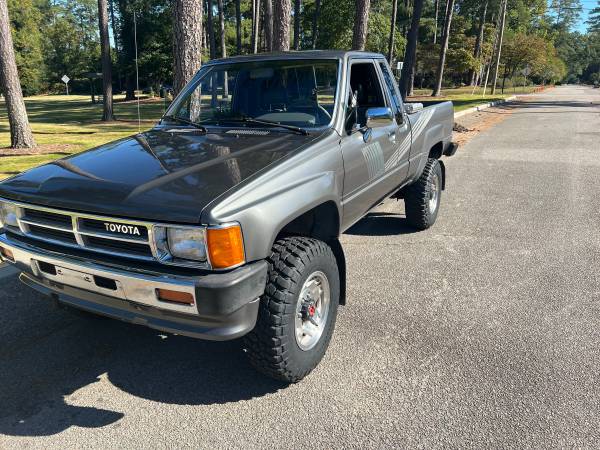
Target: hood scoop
x: 249, y: 132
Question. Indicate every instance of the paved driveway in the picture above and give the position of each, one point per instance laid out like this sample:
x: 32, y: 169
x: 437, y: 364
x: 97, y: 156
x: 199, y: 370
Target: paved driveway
x: 483, y: 331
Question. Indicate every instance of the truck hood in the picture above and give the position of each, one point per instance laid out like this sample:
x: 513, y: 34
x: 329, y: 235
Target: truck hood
x: 165, y: 174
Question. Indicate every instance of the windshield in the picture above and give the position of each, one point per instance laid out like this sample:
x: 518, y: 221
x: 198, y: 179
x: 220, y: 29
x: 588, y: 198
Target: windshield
x: 292, y: 92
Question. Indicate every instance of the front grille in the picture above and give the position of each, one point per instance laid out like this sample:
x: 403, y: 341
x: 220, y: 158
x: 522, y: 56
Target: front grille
x: 119, y: 246
x: 47, y: 217
x: 132, y: 240
x: 56, y: 235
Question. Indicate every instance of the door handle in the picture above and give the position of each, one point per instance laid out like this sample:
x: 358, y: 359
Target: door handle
x: 392, y: 135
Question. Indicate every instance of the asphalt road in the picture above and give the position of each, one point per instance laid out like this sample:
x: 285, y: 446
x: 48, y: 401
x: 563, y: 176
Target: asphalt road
x: 481, y: 332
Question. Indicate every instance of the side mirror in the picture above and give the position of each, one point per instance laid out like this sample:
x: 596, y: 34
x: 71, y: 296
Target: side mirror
x: 375, y: 117
x: 412, y: 108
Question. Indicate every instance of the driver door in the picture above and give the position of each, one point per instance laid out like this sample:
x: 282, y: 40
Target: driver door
x: 366, y: 152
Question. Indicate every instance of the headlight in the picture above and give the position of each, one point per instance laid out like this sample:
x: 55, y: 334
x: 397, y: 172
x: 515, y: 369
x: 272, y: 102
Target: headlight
x: 187, y: 243
x: 220, y: 247
x: 8, y: 215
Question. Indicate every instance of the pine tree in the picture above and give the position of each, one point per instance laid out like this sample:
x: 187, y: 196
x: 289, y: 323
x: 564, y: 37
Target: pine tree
x: 444, y: 49
x: 20, y: 131
x: 187, y: 27
x: 282, y: 10
x: 593, y: 21
x: 410, y: 54
x: 361, y: 19
x: 107, y: 113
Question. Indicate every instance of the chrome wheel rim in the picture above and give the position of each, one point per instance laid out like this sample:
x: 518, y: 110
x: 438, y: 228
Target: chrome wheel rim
x: 312, y: 310
x: 434, y: 193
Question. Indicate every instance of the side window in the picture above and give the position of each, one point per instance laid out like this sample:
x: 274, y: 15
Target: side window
x: 364, y: 82
x: 395, y: 98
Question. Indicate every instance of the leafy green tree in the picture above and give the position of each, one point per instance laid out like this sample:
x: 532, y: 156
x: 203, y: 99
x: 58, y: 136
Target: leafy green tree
x: 28, y: 44
x: 56, y: 37
x: 71, y: 44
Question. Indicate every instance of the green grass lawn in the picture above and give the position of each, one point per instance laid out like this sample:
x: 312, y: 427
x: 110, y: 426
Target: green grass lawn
x: 74, y: 122
x: 465, y: 97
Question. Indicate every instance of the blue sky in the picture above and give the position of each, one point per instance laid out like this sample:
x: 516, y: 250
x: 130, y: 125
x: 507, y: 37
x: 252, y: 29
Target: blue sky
x: 587, y: 6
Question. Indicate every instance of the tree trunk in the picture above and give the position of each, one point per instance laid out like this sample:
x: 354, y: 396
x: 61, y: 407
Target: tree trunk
x: 253, y: 31
x: 405, y: 25
x: 392, y: 31
x: 361, y: 18
x: 187, y: 27
x: 129, y: 87
x: 255, y: 24
x: 238, y: 26
x: 410, y: 55
x: 223, y: 44
x: 204, y: 39
x: 442, y: 60
x: 479, y: 42
x: 222, y: 29
x: 435, y: 23
x: 211, y: 29
x: 111, y: 10
x: 444, y: 16
x: 20, y: 132
x: 502, y: 18
x: 268, y: 24
x: 282, y: 11
x: 315, y: 23
x: 261, y: 44
x: 411, y: 82
x: 107, y: 100
x: 297, y: 24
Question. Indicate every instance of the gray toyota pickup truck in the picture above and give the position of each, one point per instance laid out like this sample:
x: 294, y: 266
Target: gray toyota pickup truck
x: 223, y: 220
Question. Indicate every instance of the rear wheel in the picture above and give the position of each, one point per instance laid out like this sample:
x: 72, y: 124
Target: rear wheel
x: 422, y: 198
x: 297, y: 311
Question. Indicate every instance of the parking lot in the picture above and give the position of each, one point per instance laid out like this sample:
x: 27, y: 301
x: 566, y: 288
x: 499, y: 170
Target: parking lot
x: 482, y: 331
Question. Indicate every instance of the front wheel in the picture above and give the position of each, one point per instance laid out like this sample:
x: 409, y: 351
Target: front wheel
x: 422, y: 198
x: 297, y: 311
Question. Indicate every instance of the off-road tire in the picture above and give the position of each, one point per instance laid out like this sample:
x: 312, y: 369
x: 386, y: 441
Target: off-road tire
x: 271, y: 346
x: 417, y: 195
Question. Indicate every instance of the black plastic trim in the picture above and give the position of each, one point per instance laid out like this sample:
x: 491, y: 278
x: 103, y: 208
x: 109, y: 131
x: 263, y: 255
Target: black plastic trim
x: 451, y: 149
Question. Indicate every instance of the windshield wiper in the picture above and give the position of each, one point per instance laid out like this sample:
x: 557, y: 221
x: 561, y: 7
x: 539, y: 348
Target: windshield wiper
x: 185, y: 121
x: 268, y: 123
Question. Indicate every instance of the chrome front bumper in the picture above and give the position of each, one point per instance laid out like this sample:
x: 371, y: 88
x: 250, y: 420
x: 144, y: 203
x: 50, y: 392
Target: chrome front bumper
x: 225, y: 304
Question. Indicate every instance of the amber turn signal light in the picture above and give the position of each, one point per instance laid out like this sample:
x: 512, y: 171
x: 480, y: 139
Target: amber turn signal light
x: 225, y: 246
x: 167, y: 295
x: 7, y: 254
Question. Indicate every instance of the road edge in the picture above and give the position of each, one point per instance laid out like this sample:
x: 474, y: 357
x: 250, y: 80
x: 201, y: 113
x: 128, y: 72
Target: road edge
x: 482, y: 106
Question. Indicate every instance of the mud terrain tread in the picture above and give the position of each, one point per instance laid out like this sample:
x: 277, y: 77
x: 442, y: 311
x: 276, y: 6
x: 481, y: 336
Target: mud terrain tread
x: 267, y: 345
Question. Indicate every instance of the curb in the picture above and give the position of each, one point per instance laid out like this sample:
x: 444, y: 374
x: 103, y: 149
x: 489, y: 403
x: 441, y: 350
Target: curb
x: 473, y: 109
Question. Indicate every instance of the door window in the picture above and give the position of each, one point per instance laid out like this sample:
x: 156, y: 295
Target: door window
x: 364, y: 84
x: 395, y: 98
